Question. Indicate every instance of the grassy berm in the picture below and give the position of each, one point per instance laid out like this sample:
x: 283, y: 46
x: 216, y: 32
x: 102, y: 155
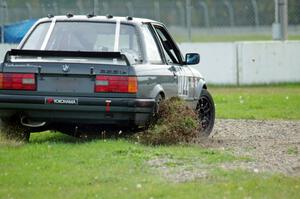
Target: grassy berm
x: 176, y: 123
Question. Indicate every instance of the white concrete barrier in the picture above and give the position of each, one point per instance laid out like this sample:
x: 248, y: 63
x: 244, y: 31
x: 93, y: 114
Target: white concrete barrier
x: 217, y: 61
x: 248, y: 62
x: 4, y: 48
x: 240, y: 62
x: 268, y: 62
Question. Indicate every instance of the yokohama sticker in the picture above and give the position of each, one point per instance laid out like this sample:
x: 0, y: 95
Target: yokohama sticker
x: 68, y: 101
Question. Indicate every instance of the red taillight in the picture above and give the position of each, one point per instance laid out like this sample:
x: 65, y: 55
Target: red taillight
x: 116, y: 84
x: 1, y: 80
x: 17, y: 81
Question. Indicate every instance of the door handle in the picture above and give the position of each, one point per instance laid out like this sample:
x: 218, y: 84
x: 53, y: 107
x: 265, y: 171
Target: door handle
x: 173, y: 69
x: 175, y: 75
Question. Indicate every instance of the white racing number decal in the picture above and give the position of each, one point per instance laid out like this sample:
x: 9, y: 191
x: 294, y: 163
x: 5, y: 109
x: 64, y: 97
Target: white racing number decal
x: 183, y: 86
x: 67, y: 101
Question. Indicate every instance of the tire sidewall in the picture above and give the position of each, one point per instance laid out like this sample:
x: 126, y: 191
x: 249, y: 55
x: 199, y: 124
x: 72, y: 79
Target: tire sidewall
x: 205, y: 93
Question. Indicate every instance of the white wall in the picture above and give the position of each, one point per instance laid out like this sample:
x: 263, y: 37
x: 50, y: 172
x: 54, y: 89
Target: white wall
x: 268, y: 62
x: 217, y: 61
x: 248, y: 62
x: 240, y: 62
x: 4, y: 48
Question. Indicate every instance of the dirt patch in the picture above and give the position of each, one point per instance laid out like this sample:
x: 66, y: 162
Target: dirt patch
x: 270, y: 146
x: 178, y: 171
x: 274, y: 146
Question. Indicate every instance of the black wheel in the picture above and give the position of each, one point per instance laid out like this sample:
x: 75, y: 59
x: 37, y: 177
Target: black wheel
x: 206, y: 112
x: 12, y: 129
x: 155, y: 115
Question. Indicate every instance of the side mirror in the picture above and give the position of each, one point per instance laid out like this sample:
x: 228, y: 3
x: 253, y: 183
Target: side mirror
x: 192, y: 58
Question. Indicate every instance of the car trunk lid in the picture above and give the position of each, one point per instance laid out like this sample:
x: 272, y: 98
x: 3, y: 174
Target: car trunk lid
x: 77, y: 73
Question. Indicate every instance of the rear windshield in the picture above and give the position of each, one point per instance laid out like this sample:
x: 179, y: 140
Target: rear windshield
x: 86, y: 36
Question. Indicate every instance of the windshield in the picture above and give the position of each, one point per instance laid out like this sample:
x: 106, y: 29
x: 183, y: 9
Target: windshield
x: 86, y: 36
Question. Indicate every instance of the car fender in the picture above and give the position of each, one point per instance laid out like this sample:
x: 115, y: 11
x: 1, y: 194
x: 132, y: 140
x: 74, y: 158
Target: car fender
x: 200, y: 86
x: 157, y: 89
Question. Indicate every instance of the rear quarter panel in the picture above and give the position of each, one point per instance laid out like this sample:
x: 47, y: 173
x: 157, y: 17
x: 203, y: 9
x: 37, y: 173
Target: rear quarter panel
x: 153, y: 79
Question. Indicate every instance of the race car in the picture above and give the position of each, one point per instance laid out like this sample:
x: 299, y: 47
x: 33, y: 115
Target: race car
x: 70, y: 71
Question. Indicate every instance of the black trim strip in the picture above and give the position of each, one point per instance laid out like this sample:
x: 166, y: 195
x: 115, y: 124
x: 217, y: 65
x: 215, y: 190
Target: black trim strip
x: 57, y: 53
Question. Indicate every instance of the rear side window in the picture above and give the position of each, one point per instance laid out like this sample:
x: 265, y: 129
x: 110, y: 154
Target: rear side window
x: 36, y: 38
x: 152, y: 52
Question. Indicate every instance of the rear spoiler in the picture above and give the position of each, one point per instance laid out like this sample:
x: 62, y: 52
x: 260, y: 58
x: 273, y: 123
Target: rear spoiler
x: 54, y: 53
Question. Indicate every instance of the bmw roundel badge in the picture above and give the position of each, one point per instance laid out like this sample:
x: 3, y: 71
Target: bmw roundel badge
x: 65, y: 68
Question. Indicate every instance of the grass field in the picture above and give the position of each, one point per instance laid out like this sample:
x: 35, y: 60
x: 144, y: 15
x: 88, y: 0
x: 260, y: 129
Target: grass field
x: 57, y: 166
x: 53, y: 165
x: 258, y: 102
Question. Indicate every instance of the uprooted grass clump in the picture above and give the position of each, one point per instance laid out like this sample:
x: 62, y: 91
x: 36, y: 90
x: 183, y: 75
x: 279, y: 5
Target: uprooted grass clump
x: 12, y: 130
x: 176, y: 123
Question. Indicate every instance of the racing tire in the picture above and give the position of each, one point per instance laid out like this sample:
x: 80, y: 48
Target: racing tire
x: 206, y: 112
x: 155, y: 114
x: 12, y: 129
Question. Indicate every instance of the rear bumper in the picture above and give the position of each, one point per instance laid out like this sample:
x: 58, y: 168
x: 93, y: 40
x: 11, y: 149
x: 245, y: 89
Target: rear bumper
x: 91, y: 110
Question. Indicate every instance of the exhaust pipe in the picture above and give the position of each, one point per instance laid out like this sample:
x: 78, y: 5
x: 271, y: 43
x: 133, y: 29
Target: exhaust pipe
x: 26, y: 122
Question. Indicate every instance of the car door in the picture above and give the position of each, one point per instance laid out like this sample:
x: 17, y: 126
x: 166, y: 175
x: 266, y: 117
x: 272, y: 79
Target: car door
x: 173, y: 58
